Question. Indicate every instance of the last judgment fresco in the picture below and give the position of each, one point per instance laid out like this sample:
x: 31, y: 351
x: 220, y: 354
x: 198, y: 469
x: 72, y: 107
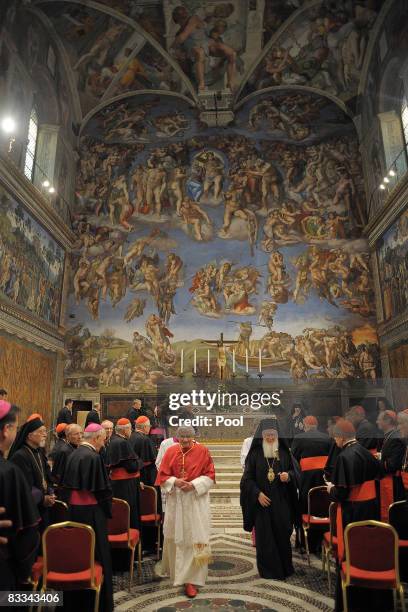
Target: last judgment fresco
x: 186, y: 232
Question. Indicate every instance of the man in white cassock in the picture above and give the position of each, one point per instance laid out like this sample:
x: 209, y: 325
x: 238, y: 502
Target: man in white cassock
x: 186, y: 475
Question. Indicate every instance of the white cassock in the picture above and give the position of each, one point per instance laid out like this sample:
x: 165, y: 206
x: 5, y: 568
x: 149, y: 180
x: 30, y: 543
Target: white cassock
x: 245, y: 449
x: 160, y: 454
x: 187, y: 526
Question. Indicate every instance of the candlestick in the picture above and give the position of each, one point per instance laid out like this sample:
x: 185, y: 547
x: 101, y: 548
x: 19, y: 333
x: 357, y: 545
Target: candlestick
x: 260, y: 360
x: 233, y: 361
x: 208, y: 361
x: 246, y: 361
x: 182, y: 361
x: 195, y: 362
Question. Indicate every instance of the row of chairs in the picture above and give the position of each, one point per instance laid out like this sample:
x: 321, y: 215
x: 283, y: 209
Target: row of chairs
x: 60, y: 569
x: 372, y: 548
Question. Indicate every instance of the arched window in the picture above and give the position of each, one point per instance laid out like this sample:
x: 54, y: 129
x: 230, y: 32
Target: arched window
x: 31, y: 145
x: 404, y: 117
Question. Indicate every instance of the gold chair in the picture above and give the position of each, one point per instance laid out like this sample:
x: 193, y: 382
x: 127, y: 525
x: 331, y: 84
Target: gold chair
x: 371, y: 559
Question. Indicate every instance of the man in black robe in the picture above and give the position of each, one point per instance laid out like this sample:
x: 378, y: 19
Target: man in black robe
x: 311, y: 449
x: 65, y: 414
x: 28, y: 453
x: 403, y: 429
x: 108, y: 427
x: 87, y: 491
x: 124, y: 470
x: 391, y: 458
x: 134, y: 412
x: 62, y: 449
x: 144, y: 448
x: 334, y: 450
x: 353, y: 488
x: 269, y: 500
x: 366, y: 433
x: 94, y: 415
x: 18, y: 550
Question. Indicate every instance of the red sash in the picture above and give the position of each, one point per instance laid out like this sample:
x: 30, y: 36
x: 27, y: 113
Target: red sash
x: 387, y: 494
x: 404, y: 476
x: 82, y: 498
x: 313, y: 463
x: 373, y: 451
x: 359, y: 493
x: 122, y: 474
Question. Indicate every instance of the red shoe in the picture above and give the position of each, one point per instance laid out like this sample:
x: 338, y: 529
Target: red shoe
x: 190, y: 590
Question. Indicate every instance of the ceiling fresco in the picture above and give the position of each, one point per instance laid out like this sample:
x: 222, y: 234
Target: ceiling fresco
x: 197, y: 47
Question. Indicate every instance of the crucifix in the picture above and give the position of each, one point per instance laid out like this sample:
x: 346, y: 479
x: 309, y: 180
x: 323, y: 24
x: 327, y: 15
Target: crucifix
x: 221, y: 345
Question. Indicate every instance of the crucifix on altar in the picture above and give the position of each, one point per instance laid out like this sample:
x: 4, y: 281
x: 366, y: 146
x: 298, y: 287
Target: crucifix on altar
x: 222, y: 345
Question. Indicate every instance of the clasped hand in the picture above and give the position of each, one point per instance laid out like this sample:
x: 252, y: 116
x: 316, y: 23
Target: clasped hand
x: 184, y: 485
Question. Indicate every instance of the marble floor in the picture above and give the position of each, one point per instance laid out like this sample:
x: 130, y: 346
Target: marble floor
x: 233, y: 583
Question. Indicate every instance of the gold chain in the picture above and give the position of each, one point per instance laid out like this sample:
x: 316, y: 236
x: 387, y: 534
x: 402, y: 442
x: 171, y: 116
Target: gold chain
x: 40, y: 468
x: 183, y: 471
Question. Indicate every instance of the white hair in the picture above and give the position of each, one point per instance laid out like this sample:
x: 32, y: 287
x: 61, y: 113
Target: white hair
x: 185, y: 430
x: 120, y: 428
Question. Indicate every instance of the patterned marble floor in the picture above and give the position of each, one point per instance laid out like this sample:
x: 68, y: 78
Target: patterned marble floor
x: 233, y: 584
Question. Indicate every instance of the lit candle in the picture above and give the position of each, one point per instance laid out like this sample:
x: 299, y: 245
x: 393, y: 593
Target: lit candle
x: 233, y: 361
x: 195, y: 362
x: 260, y: 361
x: 181, y: 361
x: 246, y: 361
x: 208, y: 361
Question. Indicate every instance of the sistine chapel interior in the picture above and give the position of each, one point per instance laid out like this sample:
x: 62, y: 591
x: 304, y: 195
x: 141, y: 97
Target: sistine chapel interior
x: 205, y: 194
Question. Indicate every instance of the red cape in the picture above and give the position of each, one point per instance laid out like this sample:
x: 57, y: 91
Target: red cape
x: 197, y: 462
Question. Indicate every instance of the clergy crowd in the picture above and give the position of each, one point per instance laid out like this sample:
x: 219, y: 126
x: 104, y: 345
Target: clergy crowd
x: 362, y: 465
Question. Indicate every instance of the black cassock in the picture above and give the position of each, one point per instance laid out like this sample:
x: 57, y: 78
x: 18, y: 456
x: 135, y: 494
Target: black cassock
x: 392, y: 457
x: 274, y: 524
x: 18, y: 556
x: 59, y: 456
x: 92, y: 417
x: 64, y: 416
x: 334, y: 452
x: 144, y: 448
x: 305, y: 446
x: 368, y: 435
x: 124, y: 466
x: 355, y: 465
x: 86, y: 472
x: 33, y: 463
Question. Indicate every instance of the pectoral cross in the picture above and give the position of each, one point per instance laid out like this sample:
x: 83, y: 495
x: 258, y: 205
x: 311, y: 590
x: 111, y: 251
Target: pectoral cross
x: 222, y: 356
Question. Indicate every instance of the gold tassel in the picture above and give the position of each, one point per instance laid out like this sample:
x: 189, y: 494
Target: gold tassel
x: 202, y: 554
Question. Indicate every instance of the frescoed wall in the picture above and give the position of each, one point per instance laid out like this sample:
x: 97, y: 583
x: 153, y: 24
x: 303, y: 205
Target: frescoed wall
x: 184, y: 232
x: 393, y: 268
x: 31, y: 262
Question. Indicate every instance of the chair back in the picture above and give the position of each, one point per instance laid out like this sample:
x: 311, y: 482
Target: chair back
x: 69, y: 547
x: 148, y: 500
x: 59, y: 512
x: 333, y: 521
x: 120, y: 521
x: 398, y: 518
x: 371, y: 546
x: 318, y: 502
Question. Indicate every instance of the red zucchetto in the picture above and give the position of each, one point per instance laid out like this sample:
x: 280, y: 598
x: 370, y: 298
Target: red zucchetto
x: 123, y: 421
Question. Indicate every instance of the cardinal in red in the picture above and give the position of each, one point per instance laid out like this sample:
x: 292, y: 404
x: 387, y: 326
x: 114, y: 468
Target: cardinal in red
x: 186, y: 475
